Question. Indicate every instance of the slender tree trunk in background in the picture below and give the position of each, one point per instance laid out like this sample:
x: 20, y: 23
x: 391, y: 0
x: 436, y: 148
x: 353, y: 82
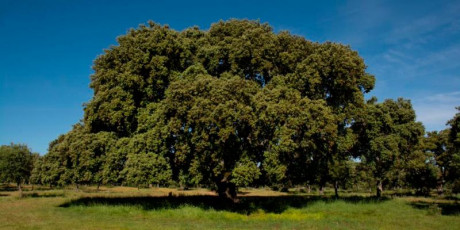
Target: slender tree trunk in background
x: 440, y: 188
x: 309, y: 189
x: 321, y: 190
x: 98, y: 185
x: 20, y: 189
x: 77, y: 187
x: 336, y: 189
x: 379, y: 188
x: 441, y: 185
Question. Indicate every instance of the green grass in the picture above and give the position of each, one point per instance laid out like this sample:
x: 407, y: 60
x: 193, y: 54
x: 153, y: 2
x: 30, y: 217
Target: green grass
x: 126, y: 208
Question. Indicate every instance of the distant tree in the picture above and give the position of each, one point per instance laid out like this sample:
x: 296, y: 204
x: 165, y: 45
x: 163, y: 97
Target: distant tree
x: 49, y: 168
x: 341, y: 172
x: 16, y: 164
x: 452, y: 158
x: 36, y: 174
x: 363, y: 178
x: 388, y: 134
x: 437, y: 145
x: 454, y: 134
x: 421, y: 171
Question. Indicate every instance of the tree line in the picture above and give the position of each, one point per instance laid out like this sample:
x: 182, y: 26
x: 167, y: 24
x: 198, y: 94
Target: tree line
x: 240, y: 105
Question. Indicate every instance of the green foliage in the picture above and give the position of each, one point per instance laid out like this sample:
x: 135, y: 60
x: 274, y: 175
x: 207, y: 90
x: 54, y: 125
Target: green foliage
x: 131, y: 75
x: 245, y: 172
x: 422, y: 172
x: 295, y: 133
x: 343, y: 172
x: 335, y: 73
x: 210, y: 123
x: 454, y: 134
x: 16, y: 163
x: 115, y: 162
x: 77, y: 157
x: 388, y: 136
x: 452, y: 157
x: 37, y: 173
x: 145, y: 169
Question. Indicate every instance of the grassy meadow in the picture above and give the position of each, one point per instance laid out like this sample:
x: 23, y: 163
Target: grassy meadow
x: 164, y: 208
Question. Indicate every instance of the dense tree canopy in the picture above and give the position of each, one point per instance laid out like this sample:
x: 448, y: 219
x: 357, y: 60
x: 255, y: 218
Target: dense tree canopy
x: 235, y: 105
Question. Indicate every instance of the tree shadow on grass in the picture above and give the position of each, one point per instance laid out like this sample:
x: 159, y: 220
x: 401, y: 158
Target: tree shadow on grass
x: 7, y: 188
x: 435, y: 208
x: 37, y: 195
x: 246, y: 205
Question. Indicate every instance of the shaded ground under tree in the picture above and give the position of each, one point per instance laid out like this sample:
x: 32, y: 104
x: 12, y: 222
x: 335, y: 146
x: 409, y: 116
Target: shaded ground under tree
x: 246, y: 205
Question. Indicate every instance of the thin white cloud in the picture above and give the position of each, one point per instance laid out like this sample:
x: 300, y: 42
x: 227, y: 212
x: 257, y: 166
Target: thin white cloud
x: 424, y: 45
x: 439, y: 22
x: 400, y: 62
x: 435, y: 110
x: 452, y: 97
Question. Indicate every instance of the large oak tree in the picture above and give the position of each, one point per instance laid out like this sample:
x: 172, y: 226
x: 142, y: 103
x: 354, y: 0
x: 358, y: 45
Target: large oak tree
x: 232, y: 106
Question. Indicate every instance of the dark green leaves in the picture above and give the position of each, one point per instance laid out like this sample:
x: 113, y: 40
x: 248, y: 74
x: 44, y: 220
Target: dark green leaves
x: 16, y: 163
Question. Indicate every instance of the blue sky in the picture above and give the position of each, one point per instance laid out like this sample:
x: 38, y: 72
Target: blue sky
x: 47, y: 49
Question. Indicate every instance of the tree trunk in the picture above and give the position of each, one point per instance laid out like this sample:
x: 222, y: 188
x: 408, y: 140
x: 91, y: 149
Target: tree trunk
x: 379, y: 188
x: 321, y: 190
x: 336, y: 189
x: 227, y: 190
x: 20, y: 189
x: 309, y: 189
x: 98, y: 185
x: 440, y: 187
